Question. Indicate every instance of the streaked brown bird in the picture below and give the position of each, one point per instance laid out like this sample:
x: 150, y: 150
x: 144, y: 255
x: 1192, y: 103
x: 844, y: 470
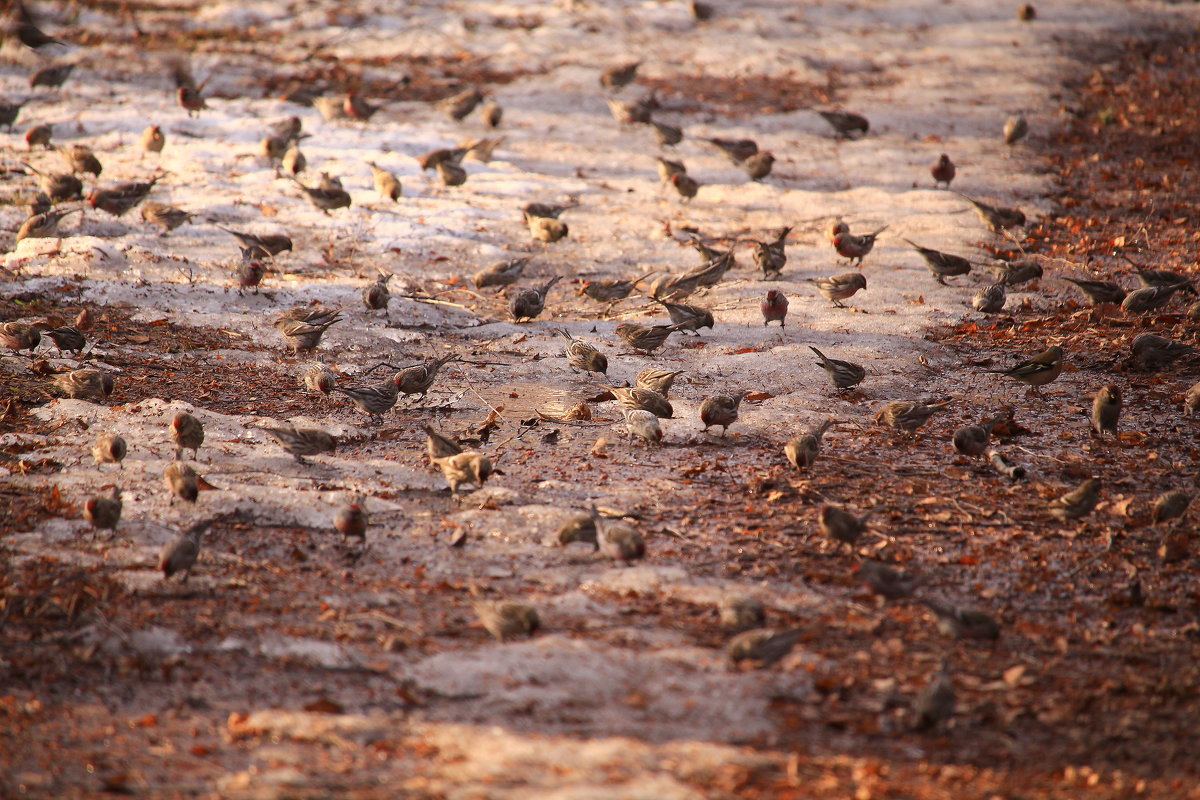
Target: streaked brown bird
x: 506, y: 619
x: 844, y: 374
x: 109, y: 449
x: 721, y: 410
x: 837, y: 288
x: 1077, y: 503
x: 638, y: 399
x: 1106, y: 410
x: 582, y: 355
x: 647, y: 339
x: 181, y: 481
x: 104, y: 513
x: 802, y: 452
x: 996, y: 218
x: 907, y: 417
x: 527, y: 304
x: 943, y: 171
x: 845, y: 124
x: 300, y: 442
x: 187, y: 433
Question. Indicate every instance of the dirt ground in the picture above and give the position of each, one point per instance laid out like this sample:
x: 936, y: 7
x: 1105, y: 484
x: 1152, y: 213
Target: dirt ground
x: 276, y: 671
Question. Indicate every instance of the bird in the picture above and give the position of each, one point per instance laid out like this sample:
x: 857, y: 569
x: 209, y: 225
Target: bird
x: 656, y: 380
x: 527, y: 304
x: 20, y: 336
x: 846, y: 124
x: 582, y: 355
x: 941, y: 265
x: 963, y: 623
x: 506, y: 619
x: 765, y: 646
x: 687, y: 317
x: 187, y: 433
x: 80, y: 158
x: 375, y: 400
x: 180, y: 554
x: 181, y: 481
x: 685, y: 185
x: 351, y: 520
x: 1150, y: 278
x: 771, y: 257
x: 629, y: 112
x: 990, y: 299
x: 386, y: 184
x: 58, y: 186
x: 121, y: 198
x: 907, y: 417
x: 300, y: 442
x: 39, y: 136
x: 165, y: 216
x: 610, y: 290
x: 844, y: 374
x: 104, y: 513
x: 52, y: 76
x: 996, y: 218
x: 191, y: 100
x: 856, y: 248
x: 326, y: 198
x: 451, y: 174
x: 1015, y: 128
x: 1151, y: 297
x: 837, y: 288
x: 1099, y: 292
x: 9, y: 113
x: 293, y: 161
x: 44, y: 225
x: 419, y: 379
x: 1077, y: 503
x: 1036, y: 371
x: 502, y: 273
x: 152, y: 139
x: 545, y: 210
x: 935, y: 703
x: 774, y: 308
x: 643, y: 400
x: 109, y: 449
x: 1150, y: 351
x: 85, y: 382
x: 302, y: 335
x: 376, y: 295
x: 261, y: 246
x: 1014, y: 273
x: 738, y: 150
x: 1106, y: 410
x: 802, y: 452
x: 972, y: 440
x: 887, y: 582
x: 491, y: 113
x: 355, y: 106
x: 465, y: 467
x: 645, y: 338
x: 547, y: 230
x: 666, y: 135
x: 721, y: 410
x: 457, y: 106
x: 1170, y: 505
x: 319, y: 378
x: 250, y: 272
x: 618, y: 541
x: 943, y: 171
x: 840, y: 525
x: 619, y: 76
x: 439, y: 445
x: 431, y: 159
x: 643, y: 424
x: 740, y: 612
x: 758, y: 166
x: 1191, y: 401
x: 668, y: 168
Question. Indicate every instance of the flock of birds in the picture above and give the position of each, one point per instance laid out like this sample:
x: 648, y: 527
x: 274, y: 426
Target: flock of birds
x: 645, y: 403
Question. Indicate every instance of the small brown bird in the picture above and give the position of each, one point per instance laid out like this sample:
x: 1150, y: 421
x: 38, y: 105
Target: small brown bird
x: 666, y: 135
x: 687, y: 317
x: 374, y: 400
x: 376, y: 295
x: 1026, y: 12
x: 619, y: 76
x: 104, y: 513
x: 319, y: 378
x: 582, y: 355
x: 1150, y: 351
x: 907, y: 417
x: 458, y: 106
x: 740, y: 612
x: 647, y: 339
x: 1191, y: 401
x: 491, y: 113
x: 502, y: 273
x: 668, y: 169
x: 656, y: 380
x: 844, y: 374
x: 972, y: 440
x: 774, y: 308
x: 1099, y: 292
x: 439, y: 445
x: 451, y: 174
x: 1151, y: 298
x: 687, y: 186
x: 802, y: 452
x: 839, y: 525
x: 109, y: 449
x: 386, y: 184
x: 638, y: 399
x: 1170, y: 505
x: 465, y: 467
x: 846, y: 124
x: 250, y: 272
x: 293, y: 161
x: 1106, y: 410
x: 188, y: 434
x: 1036, y: 371
x: 887, y: 582
x: 52, y: 76
x: 618, y: 541
x: 837, y: 288
x: 935, y: 703
x: 181, y: 481
x: 527, y: 304
x: 326, y: 198
x: 579, y: 527
x: 610, y: 290
x: 771, y: 257
x: 1015, y: 128
x: 721, y: 410
x: 996, y: 218
x: 85, y: 382
x: 301, y: 335
x: 642, y: 424
x: 419, y: 379
x: 506, y: 619
x: 963, y: 623
x: 1014, y: 273
x: 39, y: 136
x: 191, y: 100
x: 152, y: 139
x: 9, y: 113
x: 1077, y: 503
x: 164, y: 216
x: 547, y: 229
x: 758, y: 166
x: 20, y: 336
x: 301, y: 442
x: 57, y: 186
x: 80, y: 158
x: 351, y: 520
x: 121, y: 198
x: 630, y: 112
x: 764, y: 646
x: 856, y: 248
x: 738, y: 150
x: 941, y: 265
x: 180, y: 554
x: 44, y: 225
x: 431, y: 159
x: 355, y: 106
x: 990, y: 299
x: 943, y: 171
x: 261, y: 246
